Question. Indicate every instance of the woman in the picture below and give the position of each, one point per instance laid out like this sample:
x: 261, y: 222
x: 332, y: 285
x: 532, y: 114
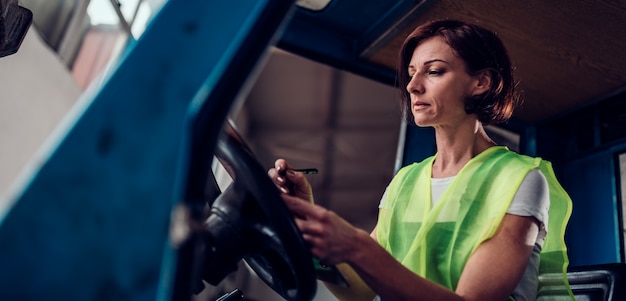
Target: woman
x: 468, y: 223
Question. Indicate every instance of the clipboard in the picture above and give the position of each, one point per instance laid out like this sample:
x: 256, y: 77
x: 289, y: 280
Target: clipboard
x: 330, y: 274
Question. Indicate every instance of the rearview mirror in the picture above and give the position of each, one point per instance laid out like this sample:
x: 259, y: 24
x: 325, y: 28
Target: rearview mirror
x: 14, y: 23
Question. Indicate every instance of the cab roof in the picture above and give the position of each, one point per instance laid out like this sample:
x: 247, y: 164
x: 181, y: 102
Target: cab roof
x: 568, y: 54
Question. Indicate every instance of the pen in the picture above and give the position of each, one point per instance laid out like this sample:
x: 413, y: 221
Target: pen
x: 288, y: 184
x: 307, y: 171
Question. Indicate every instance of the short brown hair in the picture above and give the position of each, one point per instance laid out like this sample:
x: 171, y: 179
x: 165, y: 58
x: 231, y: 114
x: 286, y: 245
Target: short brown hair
x: 481, y: 49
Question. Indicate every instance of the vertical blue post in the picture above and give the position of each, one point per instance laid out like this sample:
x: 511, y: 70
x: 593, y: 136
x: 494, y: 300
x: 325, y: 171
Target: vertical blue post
x: 593, y: 233
x: 92, y: 220
x: 419, y: 144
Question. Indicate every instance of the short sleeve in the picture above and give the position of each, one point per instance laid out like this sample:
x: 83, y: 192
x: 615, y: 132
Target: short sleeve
x: 382, y: 199
x: 533, y: 198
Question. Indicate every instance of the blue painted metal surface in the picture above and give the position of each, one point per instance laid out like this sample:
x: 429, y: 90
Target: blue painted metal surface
x: 419, y: 144
x: 585, y: 164
x: 92, y: 222
x: 354, y: 26
x: 593, y: 232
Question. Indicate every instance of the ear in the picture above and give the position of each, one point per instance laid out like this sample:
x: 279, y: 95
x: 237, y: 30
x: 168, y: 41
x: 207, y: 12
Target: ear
x: 481, y: 83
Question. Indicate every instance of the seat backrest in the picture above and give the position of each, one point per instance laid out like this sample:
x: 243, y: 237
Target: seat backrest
x: 595, y: 282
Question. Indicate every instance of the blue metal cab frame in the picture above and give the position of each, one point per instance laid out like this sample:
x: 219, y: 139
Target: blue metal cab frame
x: 91, y: 221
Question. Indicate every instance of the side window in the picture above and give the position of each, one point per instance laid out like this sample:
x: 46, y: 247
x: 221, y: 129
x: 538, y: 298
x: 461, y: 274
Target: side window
x: 88, y: 35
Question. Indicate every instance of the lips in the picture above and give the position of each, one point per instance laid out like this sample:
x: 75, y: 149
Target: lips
x: 420, y: 105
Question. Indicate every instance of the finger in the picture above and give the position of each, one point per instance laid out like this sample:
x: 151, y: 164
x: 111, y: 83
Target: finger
x: 294, y: 176
x: 309, y: 229
x: 317, y: 250
x: 279, y: 175
x: 299, y: 180
x: 279, y: 181
x: 281, y: 166
x: 298, y: 206
x: 273, y: 174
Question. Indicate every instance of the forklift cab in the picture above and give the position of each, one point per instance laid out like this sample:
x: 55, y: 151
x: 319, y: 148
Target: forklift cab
x: 123, y: 202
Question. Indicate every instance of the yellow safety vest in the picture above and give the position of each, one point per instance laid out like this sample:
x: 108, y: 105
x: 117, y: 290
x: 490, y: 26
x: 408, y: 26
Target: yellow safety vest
x: 436, y: 241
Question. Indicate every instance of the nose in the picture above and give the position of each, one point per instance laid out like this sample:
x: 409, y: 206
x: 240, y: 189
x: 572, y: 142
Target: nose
x: 415, y: 86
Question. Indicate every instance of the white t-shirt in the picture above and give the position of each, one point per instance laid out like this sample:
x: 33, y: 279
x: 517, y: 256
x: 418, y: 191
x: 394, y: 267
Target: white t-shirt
x: 532, y: 199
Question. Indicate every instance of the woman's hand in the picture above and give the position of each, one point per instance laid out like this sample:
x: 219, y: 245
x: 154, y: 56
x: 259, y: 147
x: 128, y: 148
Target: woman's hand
x: 331, y: 239
x: 327, y: 234
x: 289, y: 181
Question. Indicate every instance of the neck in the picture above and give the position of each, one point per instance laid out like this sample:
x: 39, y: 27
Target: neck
x: 456, y: 146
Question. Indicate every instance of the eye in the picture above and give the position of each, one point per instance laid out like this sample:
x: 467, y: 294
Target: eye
x: 435, y: 72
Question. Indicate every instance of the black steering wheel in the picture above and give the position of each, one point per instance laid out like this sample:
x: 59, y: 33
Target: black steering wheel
x: 249, y: 220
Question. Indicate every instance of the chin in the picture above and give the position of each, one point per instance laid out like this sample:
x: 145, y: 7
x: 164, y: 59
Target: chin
x: 421, y: 122
x: 423, y: 119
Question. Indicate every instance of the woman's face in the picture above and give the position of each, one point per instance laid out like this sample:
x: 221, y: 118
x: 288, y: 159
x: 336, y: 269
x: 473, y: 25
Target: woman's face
x: 439, y: 85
